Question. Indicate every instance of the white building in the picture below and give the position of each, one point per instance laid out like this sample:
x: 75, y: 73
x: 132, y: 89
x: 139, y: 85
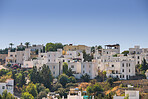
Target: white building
x: 36, y: 47
x: 115, y: 64
x: 138, y: 54
x: 17, y: 57
x: 121, y: 67
x: 7, y: 85
x: 74, y: 94
x: 132, y: 94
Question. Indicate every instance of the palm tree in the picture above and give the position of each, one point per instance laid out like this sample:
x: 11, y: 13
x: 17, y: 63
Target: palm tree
x: 27, y: 44
x: 11, y: 44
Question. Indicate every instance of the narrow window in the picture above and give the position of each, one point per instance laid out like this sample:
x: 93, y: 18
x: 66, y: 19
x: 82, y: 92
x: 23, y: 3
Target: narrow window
x: 122, y: 70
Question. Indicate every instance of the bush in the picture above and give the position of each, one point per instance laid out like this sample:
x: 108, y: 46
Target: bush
x: 72, y: 79
x: 63, y: 79
x: 41, y: 95
x: 85, y: 77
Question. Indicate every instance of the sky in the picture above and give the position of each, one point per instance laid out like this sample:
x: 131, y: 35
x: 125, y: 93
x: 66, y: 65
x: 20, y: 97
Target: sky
x: 85, y: 22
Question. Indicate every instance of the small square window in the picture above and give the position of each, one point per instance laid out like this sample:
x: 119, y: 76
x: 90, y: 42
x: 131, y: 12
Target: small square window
x: 53, y: 67
x: 72, y: 66
x: 123, y: 65
x: 53, y: 72
x: 3, y: 87
x: 83, y: 71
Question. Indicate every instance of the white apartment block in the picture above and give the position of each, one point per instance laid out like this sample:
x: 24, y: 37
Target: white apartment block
x: 7, y: 85
x: 17, y: 57
x: 81, y: 68
x: 115, y: 64
x: 120, y: 67
x: 138, y: 54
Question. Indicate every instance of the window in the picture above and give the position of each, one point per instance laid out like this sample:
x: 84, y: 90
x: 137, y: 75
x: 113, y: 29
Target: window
x: 83, y: 66
x: 41, y: 55
x: 83, y: 71
x: 49, y: 60
x: 53, y: 67
x: 122, y: 70
x: 72, y: 66
x: 113, y: 72
x: 49, y: 55
x: 122, y: 64
x: 9, y: 87
x: 123, y: 76
x: 129, y: 64
x: 53, y: 72
x: 63, y: 60
x: 112, y: 65
x: 129, y: 70
x: 89, y: 66
x: 138, y: 57
x: 116, y: 72
x: 3, y: 87
x: 126, y: 64
x: 117, y: 76
x: 11, y: 55
x: 89, y: 71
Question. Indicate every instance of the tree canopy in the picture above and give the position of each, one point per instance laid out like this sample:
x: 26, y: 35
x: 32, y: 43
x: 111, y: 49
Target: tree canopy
x: 53, y: 46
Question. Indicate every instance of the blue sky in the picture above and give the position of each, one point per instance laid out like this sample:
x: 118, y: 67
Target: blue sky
x: 89, y: 22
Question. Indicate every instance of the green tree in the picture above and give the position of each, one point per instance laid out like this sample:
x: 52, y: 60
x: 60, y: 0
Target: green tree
x: 46, y: 76
x: 72, y: 79
x: 104, y: 75
x: 31, y: 88
x: 62, y: 92
x: 11, y: 44
x: 144, y: 65
x: 26, y: 95
x: 110, y: 81
x: 85, y: 77
x: 18, y: 79
x: 69, y: 72
x: 97, y: 89
x: 125, y: 53
x: 40, y: 87
x: 87, y: 57
x: 89, y: 90
x: 99, y: 47
x: 23, y: 80
x: 27, y: 44
x: 34, y: 75
x: 41, y: 95
x: 6, y: 95
x: 93, y: 49
x: 63, y: 79
x: 56, y: 86
x: 53, y: 46
x: 65, y: 68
